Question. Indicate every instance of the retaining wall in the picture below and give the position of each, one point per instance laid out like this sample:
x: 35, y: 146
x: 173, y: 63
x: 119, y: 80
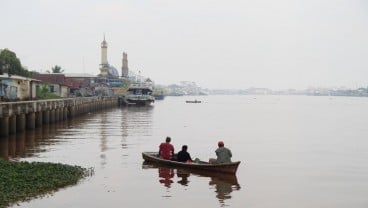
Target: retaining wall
x: 20, y: 116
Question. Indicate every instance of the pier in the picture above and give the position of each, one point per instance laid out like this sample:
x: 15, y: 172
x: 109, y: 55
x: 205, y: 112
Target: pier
x: 27, y: 115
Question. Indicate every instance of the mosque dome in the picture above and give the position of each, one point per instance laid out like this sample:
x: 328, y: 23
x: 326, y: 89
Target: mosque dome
x: 113, y: 72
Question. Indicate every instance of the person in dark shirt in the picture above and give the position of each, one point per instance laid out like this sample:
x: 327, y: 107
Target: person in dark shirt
x: 183, y: 155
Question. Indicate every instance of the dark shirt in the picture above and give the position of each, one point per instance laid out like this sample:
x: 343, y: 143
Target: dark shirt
x: 183, y: 156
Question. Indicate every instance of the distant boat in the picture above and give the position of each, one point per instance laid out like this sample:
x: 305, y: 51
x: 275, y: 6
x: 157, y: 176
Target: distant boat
x: 193, y: 101
x: 139, y: 94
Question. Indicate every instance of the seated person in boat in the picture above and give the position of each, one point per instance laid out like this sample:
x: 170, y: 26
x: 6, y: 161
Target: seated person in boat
x: 223, y: 154
x: 166, y: 150
x: 183, y: 155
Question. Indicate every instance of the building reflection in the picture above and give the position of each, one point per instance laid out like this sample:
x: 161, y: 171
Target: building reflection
x: 224, y: 184
x: 25, y: 144
x: 104, y: 131
x: 31, y: 142
x: 4, y: 148
x: 135, y: 121
x: 11, y: 146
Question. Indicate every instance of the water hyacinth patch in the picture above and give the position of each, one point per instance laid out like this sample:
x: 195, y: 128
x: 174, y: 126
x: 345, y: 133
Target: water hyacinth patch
x: 24, y: 180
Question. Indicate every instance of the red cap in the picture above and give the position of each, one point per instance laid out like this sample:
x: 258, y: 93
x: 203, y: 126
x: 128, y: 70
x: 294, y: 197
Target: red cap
x: 220, y: 143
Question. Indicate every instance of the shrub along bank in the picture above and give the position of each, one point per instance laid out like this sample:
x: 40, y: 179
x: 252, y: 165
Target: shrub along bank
x: 24, y: 180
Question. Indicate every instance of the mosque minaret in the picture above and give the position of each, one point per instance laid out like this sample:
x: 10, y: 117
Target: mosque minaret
x: 104, y: 66
x: 124, y: 68
x: 107, y: 70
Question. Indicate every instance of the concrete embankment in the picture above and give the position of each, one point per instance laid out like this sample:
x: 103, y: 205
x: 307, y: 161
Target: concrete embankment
x: 20, y: 116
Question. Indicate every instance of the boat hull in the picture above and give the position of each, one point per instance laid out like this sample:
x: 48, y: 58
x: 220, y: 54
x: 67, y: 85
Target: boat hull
x: 229, y: 168
x: 140, y: 102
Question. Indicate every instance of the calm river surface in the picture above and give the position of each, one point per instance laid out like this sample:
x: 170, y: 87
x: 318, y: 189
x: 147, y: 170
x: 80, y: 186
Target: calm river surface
x: 296, y: 151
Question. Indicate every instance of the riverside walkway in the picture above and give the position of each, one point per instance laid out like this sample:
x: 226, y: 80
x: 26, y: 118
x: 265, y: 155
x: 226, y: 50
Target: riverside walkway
x: 20, y: 116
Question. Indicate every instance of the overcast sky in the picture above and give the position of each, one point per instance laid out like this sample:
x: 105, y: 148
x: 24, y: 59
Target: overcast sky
x: 276, y: 44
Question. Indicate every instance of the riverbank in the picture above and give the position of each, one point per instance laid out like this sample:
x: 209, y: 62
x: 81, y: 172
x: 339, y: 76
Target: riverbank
x: 17, y: 117
x: 24, y: 180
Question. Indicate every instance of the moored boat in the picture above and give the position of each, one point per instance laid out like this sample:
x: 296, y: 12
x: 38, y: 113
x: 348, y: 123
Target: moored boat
x: 230, y: 168
x: 139, y: 94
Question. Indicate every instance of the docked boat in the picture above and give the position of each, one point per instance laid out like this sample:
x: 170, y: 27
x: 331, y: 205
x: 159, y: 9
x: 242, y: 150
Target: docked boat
x: 193, y: 101
x: 139, y: 94
x: 229, y: 168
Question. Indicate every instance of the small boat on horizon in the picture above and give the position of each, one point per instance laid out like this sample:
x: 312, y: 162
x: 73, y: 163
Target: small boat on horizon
x: 193, y: 101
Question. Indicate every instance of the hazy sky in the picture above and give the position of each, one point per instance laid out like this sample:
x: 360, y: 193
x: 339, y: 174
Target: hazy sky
x: 276, y: 44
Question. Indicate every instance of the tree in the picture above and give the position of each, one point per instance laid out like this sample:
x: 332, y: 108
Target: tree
x: 57, y: 69
x: 9, y: 63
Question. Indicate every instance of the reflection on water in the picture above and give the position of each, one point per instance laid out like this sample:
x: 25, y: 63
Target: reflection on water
x: 224, y: 184
x: 131, y: 121
x: 103, y: 134
x: 315, y: 148
x: 29, y: 143
x: 166, y: 174
x: 224, y: 187
x: 184, y: 175
x: 136, y: 121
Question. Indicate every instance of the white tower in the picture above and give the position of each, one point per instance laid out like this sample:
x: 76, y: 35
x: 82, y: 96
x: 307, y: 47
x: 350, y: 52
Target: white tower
x: 104, y: 52
x: 104, y: 66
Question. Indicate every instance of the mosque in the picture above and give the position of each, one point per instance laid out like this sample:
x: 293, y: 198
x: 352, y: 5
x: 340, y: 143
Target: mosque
x: 108, y: 71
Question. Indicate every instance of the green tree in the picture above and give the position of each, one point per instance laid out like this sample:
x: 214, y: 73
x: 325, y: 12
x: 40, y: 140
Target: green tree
x: 56, y: 69
x: 44, y: 93
x: 9, y: 63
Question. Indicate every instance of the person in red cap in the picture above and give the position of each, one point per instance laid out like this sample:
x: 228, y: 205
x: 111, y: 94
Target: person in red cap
x: 223, y: 154
x: 166, y: 150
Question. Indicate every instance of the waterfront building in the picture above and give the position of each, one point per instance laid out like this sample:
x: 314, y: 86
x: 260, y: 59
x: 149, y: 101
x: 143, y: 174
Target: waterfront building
x: 56, y: 83
x: 15, y: 87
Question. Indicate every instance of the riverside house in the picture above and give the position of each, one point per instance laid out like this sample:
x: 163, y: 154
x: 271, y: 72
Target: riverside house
x: 56, y: 83
x: 14, y: 87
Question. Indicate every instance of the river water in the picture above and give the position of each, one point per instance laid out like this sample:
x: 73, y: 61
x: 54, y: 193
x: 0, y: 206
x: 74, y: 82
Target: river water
x: 296, y: 151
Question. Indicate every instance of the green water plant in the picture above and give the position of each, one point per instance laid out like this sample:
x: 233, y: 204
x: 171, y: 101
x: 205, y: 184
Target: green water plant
x: 21, y: 181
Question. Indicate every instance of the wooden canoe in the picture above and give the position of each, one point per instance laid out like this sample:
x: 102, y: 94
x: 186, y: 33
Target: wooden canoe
x: 230, y: 168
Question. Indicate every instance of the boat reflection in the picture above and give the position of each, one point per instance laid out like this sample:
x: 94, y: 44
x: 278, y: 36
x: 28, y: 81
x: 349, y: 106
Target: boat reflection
x: 223, y: 188
x: 224, y: 184
x: 184, y: 175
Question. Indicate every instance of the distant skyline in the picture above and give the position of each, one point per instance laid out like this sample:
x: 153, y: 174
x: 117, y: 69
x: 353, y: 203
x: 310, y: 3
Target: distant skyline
x: 235, y: 44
